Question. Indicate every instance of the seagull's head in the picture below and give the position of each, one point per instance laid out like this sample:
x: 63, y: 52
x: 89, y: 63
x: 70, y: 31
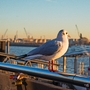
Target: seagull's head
x: 63, y: 34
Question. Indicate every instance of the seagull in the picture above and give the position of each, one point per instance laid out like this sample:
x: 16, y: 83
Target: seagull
x: 51, y: 50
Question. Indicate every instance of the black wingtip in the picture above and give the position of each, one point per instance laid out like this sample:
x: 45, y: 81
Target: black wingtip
x: 22, y: 56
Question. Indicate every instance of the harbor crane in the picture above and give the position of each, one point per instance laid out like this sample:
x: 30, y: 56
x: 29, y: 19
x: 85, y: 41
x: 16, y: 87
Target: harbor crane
x: 16, y: 36
x: 4, y: 34
x: 26, y: 34
x: 79, y: 34
x: 82, y: 40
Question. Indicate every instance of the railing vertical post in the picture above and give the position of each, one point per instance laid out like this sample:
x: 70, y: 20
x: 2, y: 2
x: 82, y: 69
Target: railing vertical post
x: 64, y: 64
x: 89, y: 68
x: 2, y: 49
x: 75, y: 64
x: 40, y: 65
x: 2, y: 46
x: 55, y: 67
x: 81, y: 68
x: 8, y: 47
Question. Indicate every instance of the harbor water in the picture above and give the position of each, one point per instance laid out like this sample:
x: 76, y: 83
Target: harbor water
x: 19, y: 50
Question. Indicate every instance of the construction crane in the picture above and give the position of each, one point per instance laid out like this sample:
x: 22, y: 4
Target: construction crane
x: 4, y: 34
x: 79, y: 34
x: 16, y: 33
x: 26, y: 34
x: 77, y: 30
x: 16, y: 36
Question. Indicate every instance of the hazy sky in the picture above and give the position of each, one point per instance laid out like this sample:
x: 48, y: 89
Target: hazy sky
x: 44, y: 17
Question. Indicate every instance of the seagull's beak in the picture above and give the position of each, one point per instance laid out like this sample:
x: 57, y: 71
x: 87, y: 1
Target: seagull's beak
x: 68, y: 35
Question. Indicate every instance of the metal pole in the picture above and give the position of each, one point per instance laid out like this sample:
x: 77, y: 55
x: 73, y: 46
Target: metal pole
x: 67, y: 78
x: 55, y: 66
x: 75, y: 65
x: 81, y: 68
x: 2, y: 46
x: 64, y: 64
x: 8, y: 47
x: 40, y: 65
x: 89, y: 61
x: 89, y: 68
x: 2, y: 49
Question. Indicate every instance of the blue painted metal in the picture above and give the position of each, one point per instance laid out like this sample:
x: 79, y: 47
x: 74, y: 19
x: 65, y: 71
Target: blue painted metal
x: 61, y: 77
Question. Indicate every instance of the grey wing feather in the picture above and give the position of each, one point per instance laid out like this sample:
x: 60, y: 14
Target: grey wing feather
x: 48, y: 48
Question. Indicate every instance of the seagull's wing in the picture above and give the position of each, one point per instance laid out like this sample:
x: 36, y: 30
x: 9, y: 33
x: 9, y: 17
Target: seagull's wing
x: 47, y: 48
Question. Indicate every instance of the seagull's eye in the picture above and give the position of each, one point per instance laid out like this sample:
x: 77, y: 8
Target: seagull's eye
x: 63, y: 33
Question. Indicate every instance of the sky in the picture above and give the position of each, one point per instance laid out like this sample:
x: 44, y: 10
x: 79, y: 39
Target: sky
x: 44, y: 18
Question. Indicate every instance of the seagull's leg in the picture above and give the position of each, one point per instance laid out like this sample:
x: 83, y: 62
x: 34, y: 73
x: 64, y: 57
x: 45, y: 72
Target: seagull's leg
x: 50, y: 65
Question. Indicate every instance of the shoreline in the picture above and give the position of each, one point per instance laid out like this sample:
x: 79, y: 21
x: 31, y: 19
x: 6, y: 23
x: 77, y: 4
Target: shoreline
x: 26, y: 44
